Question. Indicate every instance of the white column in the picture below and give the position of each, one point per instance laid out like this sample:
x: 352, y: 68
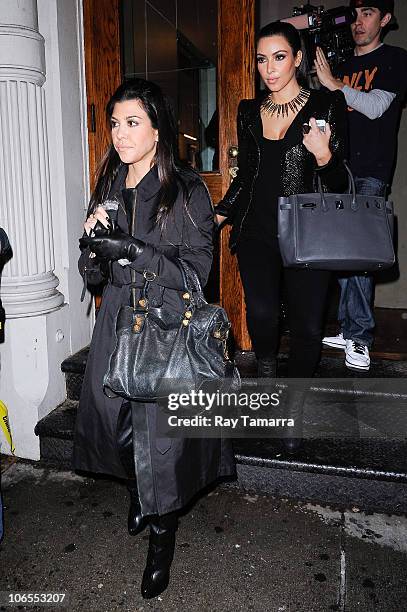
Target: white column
x: 28, y: 282
x: 37, y: 325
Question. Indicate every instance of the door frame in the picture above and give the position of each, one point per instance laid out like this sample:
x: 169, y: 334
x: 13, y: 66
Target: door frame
x: 103, y: 72
x: 236, y: 80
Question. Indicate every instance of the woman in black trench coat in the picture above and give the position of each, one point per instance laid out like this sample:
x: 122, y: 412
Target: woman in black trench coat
x: 173, y: 218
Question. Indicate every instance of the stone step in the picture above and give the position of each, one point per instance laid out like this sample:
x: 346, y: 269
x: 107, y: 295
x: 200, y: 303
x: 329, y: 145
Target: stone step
x: 74, y: 369
x: 368, y: 473
x: 56, y: 433
x: 331, y: 366
x: 325, y: 479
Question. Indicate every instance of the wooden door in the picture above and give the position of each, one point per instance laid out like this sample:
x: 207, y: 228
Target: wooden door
x: 235, y: 81
x: 236, y: 70
x: 103, y: 71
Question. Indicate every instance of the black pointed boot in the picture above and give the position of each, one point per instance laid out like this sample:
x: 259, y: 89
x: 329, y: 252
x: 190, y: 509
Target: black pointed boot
x: 294, y: 410
x: 136, y: 522
x: 124, y: 439
x: 161, y: 548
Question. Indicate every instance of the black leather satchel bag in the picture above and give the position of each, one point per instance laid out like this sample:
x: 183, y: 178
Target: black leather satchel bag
x: 159, y: 351
x: 328, y: 231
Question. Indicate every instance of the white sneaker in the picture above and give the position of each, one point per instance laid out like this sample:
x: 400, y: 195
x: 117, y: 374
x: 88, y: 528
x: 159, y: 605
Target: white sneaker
x: 335, y: 341
x: 357, y: 356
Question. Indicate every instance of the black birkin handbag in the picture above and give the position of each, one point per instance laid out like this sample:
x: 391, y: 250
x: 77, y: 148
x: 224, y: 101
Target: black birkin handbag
x: 159, y: 351
x: 330, y: 231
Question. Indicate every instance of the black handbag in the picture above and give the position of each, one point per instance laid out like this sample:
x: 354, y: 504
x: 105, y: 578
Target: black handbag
x: 330, y: 231
x: 159, y: 351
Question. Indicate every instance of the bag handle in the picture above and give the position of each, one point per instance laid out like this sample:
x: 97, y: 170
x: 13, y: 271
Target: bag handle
x: 192, y: 284
x: 351, y: 189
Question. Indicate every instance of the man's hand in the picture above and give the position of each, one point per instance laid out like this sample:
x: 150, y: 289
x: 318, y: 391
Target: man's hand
x: 324, y: 72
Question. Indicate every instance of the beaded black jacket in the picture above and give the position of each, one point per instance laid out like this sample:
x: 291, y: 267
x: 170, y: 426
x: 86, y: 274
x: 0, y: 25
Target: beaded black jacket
x: 298, y: 166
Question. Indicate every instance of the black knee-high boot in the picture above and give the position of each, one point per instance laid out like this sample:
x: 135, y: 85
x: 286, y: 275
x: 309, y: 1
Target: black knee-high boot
x: 161, y: 548
x: 136, y: 522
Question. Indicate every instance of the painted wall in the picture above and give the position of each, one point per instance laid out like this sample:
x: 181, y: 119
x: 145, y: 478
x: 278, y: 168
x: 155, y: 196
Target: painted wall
x: 394, y: 293
x: 61, y: 25
x: 43, y: 325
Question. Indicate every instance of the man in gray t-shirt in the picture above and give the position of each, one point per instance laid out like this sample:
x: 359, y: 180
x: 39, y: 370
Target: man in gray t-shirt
x: 374, y: 83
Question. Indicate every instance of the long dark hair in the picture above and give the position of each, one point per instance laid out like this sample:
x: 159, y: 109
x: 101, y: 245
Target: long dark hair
x: 160, y: 113
x: 290, y: 33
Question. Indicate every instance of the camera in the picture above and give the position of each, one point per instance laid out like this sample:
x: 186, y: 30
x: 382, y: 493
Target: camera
x: 328, y: 29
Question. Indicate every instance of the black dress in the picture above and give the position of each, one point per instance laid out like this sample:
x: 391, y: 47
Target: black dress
x: 261, y: 220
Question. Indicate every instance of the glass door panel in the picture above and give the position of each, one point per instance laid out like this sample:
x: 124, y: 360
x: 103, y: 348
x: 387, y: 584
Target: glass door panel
x: 174, y: 44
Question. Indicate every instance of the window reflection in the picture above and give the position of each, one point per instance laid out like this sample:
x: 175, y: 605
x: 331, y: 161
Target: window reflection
x: 174, y: 43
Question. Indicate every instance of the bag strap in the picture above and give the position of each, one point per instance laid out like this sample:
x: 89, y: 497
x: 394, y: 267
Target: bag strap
x: 192, y: 283
x: 351, y: 189
x: 133, y: 288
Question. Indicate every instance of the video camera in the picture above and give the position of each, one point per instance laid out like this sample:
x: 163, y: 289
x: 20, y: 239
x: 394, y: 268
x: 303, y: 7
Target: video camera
x: 328, y: 29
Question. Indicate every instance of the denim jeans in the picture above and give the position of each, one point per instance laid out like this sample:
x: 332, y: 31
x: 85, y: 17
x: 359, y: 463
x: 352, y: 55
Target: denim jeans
x: 356, y: 302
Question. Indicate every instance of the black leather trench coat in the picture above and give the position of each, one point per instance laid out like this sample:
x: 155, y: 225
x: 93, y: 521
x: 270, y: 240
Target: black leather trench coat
x: 298, y: 165
x: 169, y: 471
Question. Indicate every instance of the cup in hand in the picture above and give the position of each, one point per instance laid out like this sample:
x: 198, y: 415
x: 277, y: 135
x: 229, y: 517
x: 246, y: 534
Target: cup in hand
x: 111, y: 207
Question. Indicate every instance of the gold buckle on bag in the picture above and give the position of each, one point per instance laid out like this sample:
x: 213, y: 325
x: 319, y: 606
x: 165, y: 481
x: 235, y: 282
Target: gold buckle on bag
x: 138, y: 324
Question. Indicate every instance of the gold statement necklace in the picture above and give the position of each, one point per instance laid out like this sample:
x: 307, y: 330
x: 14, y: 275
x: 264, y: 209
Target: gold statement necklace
x: 270, y: 107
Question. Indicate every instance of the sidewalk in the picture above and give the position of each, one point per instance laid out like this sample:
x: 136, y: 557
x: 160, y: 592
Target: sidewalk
x: 235, y: 551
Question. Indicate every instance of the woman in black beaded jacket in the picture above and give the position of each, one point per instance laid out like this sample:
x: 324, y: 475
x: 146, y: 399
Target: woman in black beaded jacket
x: 281, y: 152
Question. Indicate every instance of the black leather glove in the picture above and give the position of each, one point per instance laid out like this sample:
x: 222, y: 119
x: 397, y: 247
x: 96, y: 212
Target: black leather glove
x: 101, y: 230
x: 116, y: 246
